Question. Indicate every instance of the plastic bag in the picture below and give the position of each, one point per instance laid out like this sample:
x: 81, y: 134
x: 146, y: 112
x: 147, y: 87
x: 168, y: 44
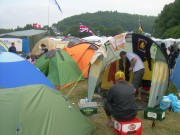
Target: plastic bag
x: 175, y: 103
x: 165, y: 103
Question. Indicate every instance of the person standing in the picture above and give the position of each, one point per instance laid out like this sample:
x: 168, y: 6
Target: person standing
x: 120, y: 103
x: 137, y: 66
x: 12, y: 48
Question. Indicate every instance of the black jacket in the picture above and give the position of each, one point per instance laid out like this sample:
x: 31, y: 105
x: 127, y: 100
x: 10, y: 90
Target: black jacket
x: 121, y: 99
x: 12, y: 49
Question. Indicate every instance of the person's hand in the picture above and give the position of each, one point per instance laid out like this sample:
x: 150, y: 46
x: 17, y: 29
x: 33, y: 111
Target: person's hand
x: 130, y: 69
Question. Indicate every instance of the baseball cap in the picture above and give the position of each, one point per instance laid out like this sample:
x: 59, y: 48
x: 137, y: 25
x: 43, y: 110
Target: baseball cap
x: 119, y: 75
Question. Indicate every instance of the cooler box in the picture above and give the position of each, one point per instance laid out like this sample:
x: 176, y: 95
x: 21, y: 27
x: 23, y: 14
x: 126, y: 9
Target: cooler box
x: 88, y: 108
x: 154, y: 114
x: 133, y: 127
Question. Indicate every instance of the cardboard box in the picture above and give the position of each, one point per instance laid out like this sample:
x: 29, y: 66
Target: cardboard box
x: 154, y: 114
x: 133, y: 127
x: 88, y: 108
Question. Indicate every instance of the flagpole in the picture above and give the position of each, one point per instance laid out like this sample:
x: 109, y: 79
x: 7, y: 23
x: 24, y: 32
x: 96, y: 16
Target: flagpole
x: 48, y: 18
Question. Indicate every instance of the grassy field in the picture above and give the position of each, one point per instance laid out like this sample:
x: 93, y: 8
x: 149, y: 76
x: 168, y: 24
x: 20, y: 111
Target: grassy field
x: 169, y: 126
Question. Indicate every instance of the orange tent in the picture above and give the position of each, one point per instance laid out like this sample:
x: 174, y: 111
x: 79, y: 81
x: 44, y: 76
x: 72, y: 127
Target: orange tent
x: 82, y: 54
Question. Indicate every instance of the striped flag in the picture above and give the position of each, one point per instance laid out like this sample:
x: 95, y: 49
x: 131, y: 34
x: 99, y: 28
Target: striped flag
x: 84, y: 28
x: 56, y: 3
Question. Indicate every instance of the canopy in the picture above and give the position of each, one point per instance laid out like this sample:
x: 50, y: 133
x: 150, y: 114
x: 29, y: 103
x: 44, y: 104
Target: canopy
x: 109, y: 52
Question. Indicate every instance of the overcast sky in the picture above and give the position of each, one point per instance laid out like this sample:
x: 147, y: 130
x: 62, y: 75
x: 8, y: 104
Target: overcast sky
x: 15, y: 13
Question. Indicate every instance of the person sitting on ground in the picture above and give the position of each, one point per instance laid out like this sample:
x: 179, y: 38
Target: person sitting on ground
x: 120, y: 102
x: 43, y: 49
x: 12, y: 48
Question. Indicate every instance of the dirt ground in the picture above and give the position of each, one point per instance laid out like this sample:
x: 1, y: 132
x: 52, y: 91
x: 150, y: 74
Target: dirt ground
x: 169, y: 126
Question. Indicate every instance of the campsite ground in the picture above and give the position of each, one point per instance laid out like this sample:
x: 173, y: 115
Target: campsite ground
x: 169, y: 126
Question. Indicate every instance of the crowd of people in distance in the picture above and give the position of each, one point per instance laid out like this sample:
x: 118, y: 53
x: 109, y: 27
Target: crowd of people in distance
x: 171, y: 52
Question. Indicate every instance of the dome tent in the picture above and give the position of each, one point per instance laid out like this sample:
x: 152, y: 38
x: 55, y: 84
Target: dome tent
x: 16, y: 71
x: 82, y: 53
x: 39, y: 110
x: 59, y: 67
x: 51, y: 43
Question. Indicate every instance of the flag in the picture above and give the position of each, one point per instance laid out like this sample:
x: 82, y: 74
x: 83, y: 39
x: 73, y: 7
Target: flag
x: 56, y: 3
x: 140, y: 27
x: 39, y: 26
x: 84, y: 28
x: 36, y: 26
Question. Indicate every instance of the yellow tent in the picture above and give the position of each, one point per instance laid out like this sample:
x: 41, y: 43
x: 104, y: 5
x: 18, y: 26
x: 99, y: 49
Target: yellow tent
x: 50, y: 43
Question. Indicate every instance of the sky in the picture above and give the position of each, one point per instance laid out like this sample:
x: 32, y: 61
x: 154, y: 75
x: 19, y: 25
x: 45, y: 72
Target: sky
x: 15, y: 13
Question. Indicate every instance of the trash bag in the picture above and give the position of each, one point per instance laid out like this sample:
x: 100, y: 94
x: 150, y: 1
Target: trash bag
x: 165, y: 103
x: 175, y: 103
x: 176, y: 106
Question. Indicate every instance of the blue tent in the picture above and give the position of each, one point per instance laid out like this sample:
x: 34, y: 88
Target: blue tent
x: 15, y: 71
x: 175, y: 76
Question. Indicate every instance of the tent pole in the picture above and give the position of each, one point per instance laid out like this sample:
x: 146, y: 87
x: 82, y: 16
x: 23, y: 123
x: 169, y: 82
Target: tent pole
x: 48, y: 18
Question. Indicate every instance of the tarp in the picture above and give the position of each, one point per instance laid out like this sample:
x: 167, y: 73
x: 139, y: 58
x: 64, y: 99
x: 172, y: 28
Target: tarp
x: 16, y: 71
x: 93, y: 39
x: 175, y: 76
x: 3, y: 47
x: 50, y: 43
x: 106, y: 54
x: 60, y: 69
x: 38, y: 110
x: 24, y: 33
x: 82, y: 54
x: 73, y: 41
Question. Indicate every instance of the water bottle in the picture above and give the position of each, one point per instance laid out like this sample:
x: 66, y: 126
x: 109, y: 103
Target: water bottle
x: 86, y: 99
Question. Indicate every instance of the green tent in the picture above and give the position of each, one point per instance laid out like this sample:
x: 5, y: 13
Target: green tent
x: 39, y: 110
x: 59, y: 67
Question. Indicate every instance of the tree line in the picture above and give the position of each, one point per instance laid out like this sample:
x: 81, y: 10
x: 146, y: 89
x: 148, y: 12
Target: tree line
x: 105, y: 23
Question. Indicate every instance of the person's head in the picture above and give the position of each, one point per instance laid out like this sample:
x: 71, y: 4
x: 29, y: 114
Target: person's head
x: 12, y: 44
x: 43, y: 46
x: 163, y: 45
x: 172, y: 48
x: 28, y: 57
x: 122, y: 54
x: 119, y: 76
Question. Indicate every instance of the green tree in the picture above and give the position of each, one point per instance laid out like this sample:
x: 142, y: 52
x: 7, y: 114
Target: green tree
x: 173, y: 32
x: 105, y: 23
x: 168, y: 18
x: 2, y: 31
